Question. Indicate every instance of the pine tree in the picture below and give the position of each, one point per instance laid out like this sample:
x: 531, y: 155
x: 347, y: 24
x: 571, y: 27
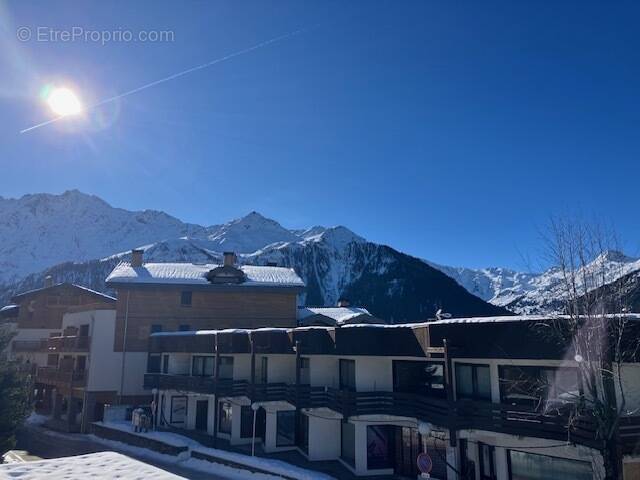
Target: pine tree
x: 14, y: 396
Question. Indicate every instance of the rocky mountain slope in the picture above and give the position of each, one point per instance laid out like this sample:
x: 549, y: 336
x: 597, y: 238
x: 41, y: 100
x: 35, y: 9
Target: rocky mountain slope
x: 334, y: 261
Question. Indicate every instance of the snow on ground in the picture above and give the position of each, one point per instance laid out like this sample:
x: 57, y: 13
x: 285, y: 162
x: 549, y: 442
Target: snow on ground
x: 36, y: 419
x: 102, y: 465
x: 274, y: 466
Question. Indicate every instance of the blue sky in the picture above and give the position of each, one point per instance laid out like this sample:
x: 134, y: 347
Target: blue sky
x: 449, y: 130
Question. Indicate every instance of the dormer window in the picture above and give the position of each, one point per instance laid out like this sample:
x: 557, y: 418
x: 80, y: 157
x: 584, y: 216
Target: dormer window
x: 185, y: 298
x: 227, y: 273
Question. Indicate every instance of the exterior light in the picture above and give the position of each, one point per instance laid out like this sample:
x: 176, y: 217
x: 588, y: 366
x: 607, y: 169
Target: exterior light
x: 424, y: 428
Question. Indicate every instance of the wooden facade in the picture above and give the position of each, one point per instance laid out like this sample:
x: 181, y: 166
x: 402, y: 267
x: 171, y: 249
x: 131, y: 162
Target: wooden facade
x: 216, y: 307
x: 45, y: 307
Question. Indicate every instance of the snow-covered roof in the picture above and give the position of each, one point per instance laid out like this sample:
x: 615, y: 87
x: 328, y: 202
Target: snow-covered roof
x: 214, y: 332
x: 521, y: 318
x: 99, y: 466
x: 195, y: 274
x: 6, y: 308
x: 57, y: 285
x: 339, y: 315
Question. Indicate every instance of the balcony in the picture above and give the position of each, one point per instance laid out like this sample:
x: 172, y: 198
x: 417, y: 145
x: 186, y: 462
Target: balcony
x: 23, y: 346
x: 61, y: 377
x: 68, y: 343
x: 457, y: 415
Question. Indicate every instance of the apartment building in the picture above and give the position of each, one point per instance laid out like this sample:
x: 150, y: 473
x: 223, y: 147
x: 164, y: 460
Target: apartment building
x: 469, y: 392
x: 35, y: 315
x: 161, y: 297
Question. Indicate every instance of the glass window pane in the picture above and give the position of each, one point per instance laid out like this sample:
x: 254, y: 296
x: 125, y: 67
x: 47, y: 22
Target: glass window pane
x: 379, y: 446
x: 348, y: 451
x: 483, y: 381
x: 529, y: 466
x: 464, y: 381
x: 285, y: 429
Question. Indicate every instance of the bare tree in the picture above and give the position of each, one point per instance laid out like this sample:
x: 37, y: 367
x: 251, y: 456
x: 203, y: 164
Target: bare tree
x: 593, y: 326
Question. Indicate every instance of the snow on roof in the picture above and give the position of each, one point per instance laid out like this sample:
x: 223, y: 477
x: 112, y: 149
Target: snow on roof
x: 99, y: 466
x: 339, y: 314
x: 215, y: 332
x: 8, y: 307
x: 89, y: 290
x: 194, y: 274
x: 520, y: 318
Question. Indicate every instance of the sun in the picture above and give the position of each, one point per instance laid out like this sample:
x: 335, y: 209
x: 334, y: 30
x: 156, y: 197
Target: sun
x: 63, y: 102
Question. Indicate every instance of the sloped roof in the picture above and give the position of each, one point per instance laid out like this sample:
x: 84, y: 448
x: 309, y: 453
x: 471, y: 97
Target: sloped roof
x: 102, y: 296
x: 195, y: 274
x: 335, y: 315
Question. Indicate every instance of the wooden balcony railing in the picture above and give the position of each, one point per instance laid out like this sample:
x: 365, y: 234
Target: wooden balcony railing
x: 59, y: 376
x: 456, y: 415
x: 68, y: 343
x: 29, y: 345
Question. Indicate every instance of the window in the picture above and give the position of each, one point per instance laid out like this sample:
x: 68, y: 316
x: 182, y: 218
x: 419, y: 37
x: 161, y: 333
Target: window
x: 285, y: 428
x: 303, y: 433
x: 347, y: 374
x: 246, y: 422
x: 156, y: 328
x: 165, y: 364
x: 225, y: 415
x: 185, y: 299
x: 425, y: 378
x: 178, y: 409
x: 264, y: 368
x: 81, y: 363
x: 185, y: 327
x: 153, y: 363
x: 348, y: 443
x: 539, y: 387
x: 202, y: 366
x: 525, y: 466
x: 226, y: 367
x: 379, y: 446
x: 473, y: 381
x: 487, y: 462
x: 52, y: 360
x: 305, y: 376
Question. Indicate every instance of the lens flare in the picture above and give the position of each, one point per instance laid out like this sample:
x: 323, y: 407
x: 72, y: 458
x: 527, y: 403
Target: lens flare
x: 63, y: 102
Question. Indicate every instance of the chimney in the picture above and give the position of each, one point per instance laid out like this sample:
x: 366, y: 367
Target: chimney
x: 48, y: 281
x: 343, y: 302
x: 229, y: 259
x: 136, y: 257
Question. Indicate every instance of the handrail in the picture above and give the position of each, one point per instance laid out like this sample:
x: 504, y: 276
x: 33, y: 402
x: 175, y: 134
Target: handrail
x: 457, y: 415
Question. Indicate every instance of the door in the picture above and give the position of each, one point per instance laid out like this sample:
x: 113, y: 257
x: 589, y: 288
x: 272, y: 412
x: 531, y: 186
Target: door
x: 202, y: 413
x: 407, y: 449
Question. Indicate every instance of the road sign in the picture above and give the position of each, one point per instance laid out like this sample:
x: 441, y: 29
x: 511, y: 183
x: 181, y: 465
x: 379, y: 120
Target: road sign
x: 424, y: 462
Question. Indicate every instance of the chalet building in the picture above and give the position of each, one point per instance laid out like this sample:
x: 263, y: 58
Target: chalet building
x: 169, y: 297
x: 38, y: 314
x: 485, y: 398
x: 62, y: 332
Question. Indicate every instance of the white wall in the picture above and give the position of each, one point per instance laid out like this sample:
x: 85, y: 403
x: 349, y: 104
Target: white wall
x: 323, y: 371
x: 280, y: 368
x: 242, y: 367
x: 374, y: 374
x: 135, y: 368
x: 324, y: 438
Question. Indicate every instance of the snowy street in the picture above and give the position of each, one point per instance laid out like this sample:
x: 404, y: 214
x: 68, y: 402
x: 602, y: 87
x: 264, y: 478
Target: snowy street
x: 39, y: 442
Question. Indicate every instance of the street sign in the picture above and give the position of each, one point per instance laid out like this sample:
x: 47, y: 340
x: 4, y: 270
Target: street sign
x: 424, y: 462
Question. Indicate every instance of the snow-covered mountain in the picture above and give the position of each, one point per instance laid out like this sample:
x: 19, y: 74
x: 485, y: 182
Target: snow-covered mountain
x: 533, y: 293
x: 334, y: 261
x: 79, y: 237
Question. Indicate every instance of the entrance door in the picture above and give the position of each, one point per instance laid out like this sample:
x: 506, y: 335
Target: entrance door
x: 407, y: 449
x: 202, y: 413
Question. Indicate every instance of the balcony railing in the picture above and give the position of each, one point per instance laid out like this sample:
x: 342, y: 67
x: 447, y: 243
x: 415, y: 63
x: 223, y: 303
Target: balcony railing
x: 29, y: 345
x: 456, y: 415
x: 68, y: 343
x: 58, y: 376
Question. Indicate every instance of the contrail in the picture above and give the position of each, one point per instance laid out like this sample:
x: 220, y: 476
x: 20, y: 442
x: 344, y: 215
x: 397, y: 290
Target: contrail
x: 180, y: 74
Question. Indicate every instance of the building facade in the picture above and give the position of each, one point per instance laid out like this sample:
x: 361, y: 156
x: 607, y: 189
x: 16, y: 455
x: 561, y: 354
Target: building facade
x: 373, y: 397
